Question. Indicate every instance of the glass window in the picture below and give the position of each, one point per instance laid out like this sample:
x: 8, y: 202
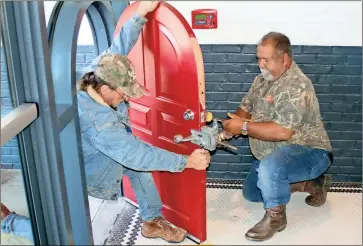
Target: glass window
x: 85, y: 45
x: 16, y: 227
x: 6, y: 105
x: 48, y: 8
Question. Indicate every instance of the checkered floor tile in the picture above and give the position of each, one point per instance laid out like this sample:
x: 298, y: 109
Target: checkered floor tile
x: 339, y: 221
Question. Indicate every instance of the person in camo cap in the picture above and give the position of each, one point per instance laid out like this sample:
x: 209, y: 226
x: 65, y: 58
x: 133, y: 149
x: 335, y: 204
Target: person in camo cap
x: 110, y: 150
x: 280, y: 114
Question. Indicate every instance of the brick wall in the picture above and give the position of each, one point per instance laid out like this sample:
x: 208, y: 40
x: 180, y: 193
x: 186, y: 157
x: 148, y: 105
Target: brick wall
x: 336, y: 73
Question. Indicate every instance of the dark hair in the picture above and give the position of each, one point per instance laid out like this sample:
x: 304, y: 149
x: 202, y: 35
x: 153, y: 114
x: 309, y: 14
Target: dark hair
x: 280, y: 41
x: 90, y: 79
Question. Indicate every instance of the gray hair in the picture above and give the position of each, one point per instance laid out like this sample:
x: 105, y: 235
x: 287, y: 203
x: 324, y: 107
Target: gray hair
x: 280, y: 41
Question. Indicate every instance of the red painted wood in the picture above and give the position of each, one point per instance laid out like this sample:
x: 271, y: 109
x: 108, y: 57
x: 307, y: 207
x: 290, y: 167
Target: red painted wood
x: 166, y: 65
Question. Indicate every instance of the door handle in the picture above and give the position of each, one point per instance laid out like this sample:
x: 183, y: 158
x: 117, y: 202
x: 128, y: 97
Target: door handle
x: 179, y: 138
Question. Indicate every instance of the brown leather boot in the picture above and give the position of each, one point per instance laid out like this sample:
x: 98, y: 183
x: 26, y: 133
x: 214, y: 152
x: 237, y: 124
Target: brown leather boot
x: 160, y: 228
x: 297, y: 187
x: 317, y: 188
x: 273, y: 221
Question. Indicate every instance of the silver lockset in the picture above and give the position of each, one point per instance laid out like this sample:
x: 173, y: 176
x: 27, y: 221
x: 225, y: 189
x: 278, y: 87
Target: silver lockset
x: 207, y: 138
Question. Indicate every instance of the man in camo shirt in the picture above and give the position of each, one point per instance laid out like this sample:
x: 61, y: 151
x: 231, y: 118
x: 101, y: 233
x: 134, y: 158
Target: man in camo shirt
x: 281, y: 116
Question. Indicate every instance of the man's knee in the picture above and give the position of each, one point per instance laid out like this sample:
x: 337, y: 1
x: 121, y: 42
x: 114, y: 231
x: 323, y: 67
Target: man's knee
x: 270, y: 169
x: 273, y: 164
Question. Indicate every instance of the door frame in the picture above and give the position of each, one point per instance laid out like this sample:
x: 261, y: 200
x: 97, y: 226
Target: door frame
x: 47, y: 123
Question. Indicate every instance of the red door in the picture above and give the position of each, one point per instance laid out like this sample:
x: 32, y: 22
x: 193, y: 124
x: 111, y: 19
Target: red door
x: 168, y: 62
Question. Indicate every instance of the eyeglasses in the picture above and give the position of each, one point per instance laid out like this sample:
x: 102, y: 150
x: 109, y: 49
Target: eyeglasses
x: 122, y: 94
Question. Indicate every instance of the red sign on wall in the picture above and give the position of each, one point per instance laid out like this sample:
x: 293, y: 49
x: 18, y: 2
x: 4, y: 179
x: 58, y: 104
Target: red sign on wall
x: 204, y: 19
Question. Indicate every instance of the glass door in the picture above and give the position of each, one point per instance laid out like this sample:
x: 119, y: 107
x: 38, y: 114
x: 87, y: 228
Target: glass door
x: 42, y: 171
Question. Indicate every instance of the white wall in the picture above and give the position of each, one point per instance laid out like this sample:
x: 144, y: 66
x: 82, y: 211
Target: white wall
x: 304, y: 22
x: 328, y: 23
x: 85, y: 32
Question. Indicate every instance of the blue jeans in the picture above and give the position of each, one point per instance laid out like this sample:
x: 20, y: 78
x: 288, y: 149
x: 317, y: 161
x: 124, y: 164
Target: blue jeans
x: 18, y: 225
x: 269, y: 179
x: 146, y: 194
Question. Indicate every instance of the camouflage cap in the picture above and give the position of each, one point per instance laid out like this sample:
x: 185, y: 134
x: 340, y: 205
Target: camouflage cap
x: 117, y: 71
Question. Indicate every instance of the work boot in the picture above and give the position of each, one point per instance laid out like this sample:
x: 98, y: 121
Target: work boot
x: 298, y: 187
x: 317, y: 188
x: 273, y: 221
x: 160, y: 228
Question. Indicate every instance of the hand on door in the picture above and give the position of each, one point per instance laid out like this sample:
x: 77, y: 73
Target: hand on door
x: 146, y: 7
x: 198, y: 160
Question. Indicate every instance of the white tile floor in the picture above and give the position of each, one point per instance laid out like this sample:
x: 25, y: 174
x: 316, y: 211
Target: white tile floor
x: 12, y: 191
x: 338, y: 222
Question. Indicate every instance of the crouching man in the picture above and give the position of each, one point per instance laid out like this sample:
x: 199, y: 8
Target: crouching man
x: 281, y: 116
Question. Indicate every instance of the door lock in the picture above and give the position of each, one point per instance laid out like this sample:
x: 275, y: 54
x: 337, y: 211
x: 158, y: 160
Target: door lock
x: 188, y: 115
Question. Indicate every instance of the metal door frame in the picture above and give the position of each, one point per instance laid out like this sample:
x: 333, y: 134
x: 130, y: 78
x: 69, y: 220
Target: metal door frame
x: 44, y: 120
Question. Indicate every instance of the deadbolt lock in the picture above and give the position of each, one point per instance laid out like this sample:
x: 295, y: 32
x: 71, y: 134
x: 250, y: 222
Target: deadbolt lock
x: 188, y: 115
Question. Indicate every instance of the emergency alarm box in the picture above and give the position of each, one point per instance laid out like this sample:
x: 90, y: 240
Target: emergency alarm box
x: 204, y: 19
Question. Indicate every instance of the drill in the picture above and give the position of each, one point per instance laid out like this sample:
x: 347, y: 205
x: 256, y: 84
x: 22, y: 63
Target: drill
x: 208, y: 137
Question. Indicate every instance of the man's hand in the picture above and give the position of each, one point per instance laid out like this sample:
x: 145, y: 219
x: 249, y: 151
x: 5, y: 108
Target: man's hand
x: 242, y: 114
x: 198, y: 160
x: 224, y: 135
x: 233, y: 125
x: 146, y: 7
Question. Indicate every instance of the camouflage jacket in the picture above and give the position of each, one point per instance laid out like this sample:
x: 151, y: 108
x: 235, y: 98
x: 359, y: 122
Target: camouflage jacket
x: 290, y: 102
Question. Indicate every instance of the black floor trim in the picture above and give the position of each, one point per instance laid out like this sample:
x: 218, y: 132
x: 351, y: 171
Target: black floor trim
x: 135, y: 231
x: 119, y: 234
x: 238, y: 184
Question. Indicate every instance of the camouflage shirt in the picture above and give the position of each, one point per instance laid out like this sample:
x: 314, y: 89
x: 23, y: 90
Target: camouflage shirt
x: 290, y: 102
